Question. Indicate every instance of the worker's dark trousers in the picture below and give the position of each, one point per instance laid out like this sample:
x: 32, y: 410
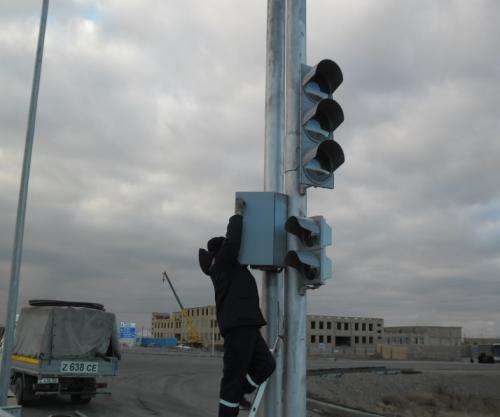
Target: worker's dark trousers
x: 247, y: 364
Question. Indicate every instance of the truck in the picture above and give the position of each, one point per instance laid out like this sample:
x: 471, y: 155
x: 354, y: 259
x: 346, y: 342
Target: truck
x: 62, y: 348
x: 489, y: 353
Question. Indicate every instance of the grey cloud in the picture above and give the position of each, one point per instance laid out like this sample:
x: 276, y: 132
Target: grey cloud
x: 151, y: 116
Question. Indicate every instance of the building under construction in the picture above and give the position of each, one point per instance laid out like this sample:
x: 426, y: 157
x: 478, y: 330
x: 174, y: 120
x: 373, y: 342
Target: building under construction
x: 195, y: 322
x: 325, y: 334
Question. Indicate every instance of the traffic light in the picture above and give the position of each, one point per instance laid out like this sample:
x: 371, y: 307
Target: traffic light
x: 320, y: 155
x: 314, y: 235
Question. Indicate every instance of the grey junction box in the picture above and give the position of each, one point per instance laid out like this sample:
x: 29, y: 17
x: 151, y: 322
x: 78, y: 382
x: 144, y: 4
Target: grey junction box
x: 263, y: 242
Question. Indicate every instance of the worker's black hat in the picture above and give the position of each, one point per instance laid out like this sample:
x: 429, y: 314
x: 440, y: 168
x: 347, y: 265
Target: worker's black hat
x: 205, y: 257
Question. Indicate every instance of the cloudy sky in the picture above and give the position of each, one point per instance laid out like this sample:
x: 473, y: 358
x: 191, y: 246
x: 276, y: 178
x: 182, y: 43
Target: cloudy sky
x: 151, y: 116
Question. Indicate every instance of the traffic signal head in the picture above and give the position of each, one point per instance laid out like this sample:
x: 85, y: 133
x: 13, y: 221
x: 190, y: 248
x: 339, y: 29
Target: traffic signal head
x: 320, y: 155
x: 310, y: 259
x: 323, y: 79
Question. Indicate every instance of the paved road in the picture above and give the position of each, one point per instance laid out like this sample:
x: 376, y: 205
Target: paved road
x: 186, y: 385
x: 149, y: 385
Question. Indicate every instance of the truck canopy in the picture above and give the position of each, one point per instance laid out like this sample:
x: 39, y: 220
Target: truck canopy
x: 53, y: 332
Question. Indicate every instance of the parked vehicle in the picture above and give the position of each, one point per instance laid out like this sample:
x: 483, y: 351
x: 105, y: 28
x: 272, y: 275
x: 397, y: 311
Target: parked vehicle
x: 61, y: 348
x: 489, y: 353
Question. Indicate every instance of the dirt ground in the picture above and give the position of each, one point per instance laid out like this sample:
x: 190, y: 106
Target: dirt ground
x: 427, y: 394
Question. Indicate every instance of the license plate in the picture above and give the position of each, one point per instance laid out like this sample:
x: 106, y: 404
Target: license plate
x: 77, y: 367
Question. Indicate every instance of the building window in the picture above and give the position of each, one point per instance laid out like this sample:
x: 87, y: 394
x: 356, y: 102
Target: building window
x: 328, y: 339
x: 313, y: 324
x: 370, y: 327
x: 370, y: 340
x: 356, y: 326
x: 313, y: 338
x: 321, y: 325
x: 356, y: 340
x: 321, y: 339
x: 329, y: 325
x: 363, y: 327
x: 363, y: 340
x: 346, y: 326
x: 339, y: 326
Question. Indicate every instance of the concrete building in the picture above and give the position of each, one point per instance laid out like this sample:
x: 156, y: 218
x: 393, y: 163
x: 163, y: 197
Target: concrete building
x: 471, y: 341
x: 349, y: 335
x: 174, y: 325
x: 423, y: 335
x: 422, y: 343
x: 325, y: 334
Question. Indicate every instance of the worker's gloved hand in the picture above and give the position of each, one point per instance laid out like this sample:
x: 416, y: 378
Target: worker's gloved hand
x: 239, y: 206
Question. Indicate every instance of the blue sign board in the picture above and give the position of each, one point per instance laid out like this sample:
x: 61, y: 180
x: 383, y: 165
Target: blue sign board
x: 127, y: 330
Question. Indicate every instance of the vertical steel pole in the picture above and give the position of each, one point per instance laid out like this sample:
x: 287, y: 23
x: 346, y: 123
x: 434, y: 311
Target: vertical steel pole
x: 212, y: 322
x: 295, y: 301
x: 272, y: 283
x: 21, y: 214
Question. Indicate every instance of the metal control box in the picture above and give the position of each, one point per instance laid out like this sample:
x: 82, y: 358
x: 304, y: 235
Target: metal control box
x: 263, y: 242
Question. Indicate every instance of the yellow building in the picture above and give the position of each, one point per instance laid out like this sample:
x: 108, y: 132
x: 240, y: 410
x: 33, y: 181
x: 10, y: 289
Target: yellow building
x: 202, y: 321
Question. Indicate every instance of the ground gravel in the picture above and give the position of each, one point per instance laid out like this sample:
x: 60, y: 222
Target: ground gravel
x: 434, y: 393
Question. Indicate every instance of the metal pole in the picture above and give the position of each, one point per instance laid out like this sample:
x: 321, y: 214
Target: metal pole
x: 272, y: 282
x: 21, y: 214
x: 213, y: 336
x: 295, y: 301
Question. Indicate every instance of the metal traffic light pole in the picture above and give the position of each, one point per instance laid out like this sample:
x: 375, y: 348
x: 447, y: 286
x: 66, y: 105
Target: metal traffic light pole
x: 10, y: 322
x: 272, y: 283
x: 295, y: 299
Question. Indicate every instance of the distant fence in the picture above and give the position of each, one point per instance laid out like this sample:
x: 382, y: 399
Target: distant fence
x: 156, y: 342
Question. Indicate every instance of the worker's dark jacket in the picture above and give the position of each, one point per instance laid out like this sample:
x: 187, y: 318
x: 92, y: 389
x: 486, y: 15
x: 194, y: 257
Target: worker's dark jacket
x: 236, y: 294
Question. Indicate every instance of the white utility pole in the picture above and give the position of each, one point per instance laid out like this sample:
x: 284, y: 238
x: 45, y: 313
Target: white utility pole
x: 272, y: 283
x: 21, y: 215
x: 295, y: 299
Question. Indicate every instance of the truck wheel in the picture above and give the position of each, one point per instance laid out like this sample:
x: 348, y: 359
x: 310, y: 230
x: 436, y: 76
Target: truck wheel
x: 80, y: 399
x: 19, y: 390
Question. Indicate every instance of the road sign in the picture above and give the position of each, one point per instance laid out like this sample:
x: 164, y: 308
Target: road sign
x: 127, y: 330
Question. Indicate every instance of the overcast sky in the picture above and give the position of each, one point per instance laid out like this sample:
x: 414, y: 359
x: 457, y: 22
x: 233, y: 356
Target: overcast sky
x: 151, y: 116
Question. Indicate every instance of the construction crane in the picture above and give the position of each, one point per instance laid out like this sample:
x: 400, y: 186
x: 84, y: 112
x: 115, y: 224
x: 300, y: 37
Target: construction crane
x: 193, y: 337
